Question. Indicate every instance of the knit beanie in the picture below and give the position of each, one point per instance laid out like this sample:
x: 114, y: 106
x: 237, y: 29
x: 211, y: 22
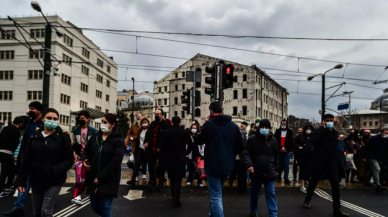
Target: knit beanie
x: 37, y: 105
x: 265, y: 123
x: 257, y: 119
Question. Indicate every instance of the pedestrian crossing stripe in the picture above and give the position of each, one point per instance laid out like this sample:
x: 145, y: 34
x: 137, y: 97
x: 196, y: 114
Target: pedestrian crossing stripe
x: 72, y: 209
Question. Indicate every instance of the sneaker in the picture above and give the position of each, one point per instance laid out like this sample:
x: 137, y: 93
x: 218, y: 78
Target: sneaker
x: 16, y: 194
x: 144, y: 177
x: 288, y: 182
x: 10, y: 189
x: 137, y: 179
x: 201, y: 185
x: 4, y: 194
x: 77, y: 201
x: 188, y: 184
x: 380, y: 188
x: 303, y: 190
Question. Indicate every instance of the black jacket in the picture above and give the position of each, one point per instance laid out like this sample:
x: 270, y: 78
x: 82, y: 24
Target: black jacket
x: 377, y: 149
x: 324, y: 153
x: 149, y: 138
x: 25, y: 139
x: 262, y: 154
x: 46, y: 160
x: 174, y: 147
x: 223, y: 142
x: 112, y: 153
x: 9, y: 138
x: 288, y: 144
x: 304, y: 140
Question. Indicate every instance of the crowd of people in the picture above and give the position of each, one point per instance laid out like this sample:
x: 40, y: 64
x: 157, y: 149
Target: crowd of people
x: 217, y: 151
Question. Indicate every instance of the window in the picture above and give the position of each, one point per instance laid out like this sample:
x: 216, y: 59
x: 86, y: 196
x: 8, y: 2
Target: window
x: 244, y: 77
x: 176, y: 75
x: 176, y: 101
x: 6, y: 75
x: 165, y: 101
x: 245, y: 93
x: 370, y: 123
x: 176, y: 87
x: 37, y: 33
x: 83, y: 104
x: 68, y: 40
x: 66, y: 59
x: 106, y: 110
x: 5, y: 95
x: 5, y: 116
x: 66, y: 79
x: 234, y: 111
x: 98, y: 108
x: 35, y: 74
x: 108, y: 69
x: 107, y: 83
x: 97, y: 125
x: 7, y: 55
x: 235, y: 78
x: 183, y: 74
x: 107, y: 97
x: 245, y: 110
x: 84, y: 87
x: 376, y: 123
x: 34, y: 95
x: 100, y: 63
x: 85, y: 70
x: 160, y: 89
x: 98, y: 94
x: 183, y: 114
x: 34, y: 54
x: 63, y: 119
x: 175, y: 113
x: 235, y: 94
x: 85, y: 53
x: 99, y: 78
x: 8, y: 34
x: 183, y: 86
x: 165, y: 89
x: 65, y: 99
x: 197, y: 112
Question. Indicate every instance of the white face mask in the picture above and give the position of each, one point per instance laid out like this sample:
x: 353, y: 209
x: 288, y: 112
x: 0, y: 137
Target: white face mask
x: 105, y: 128
x: 257, y: 125
x: 308, y: 131
x: 194, y: 130
x: 283, y: 127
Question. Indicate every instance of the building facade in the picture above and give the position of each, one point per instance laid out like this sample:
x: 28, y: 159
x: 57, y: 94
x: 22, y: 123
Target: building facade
x: 254, y: 93
x: 87, y: 77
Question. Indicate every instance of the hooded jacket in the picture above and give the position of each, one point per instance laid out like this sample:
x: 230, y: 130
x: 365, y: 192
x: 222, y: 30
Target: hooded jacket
x: 110, y: 161
x: 46, y: 160
x: 377, y: 149
x: 223, y: 141
x: 304, y: 140
x: 288, y: 144
x: 261, y: 153
x: 77, y: 137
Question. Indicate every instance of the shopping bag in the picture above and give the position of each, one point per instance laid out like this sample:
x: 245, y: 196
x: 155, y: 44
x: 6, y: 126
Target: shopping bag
x: 80, y: 172
x: 201, y: 168
x: 131, y: 162
x: 349, y: 162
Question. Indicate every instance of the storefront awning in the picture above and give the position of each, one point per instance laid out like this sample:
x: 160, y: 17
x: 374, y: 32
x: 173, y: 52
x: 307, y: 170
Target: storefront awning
x: 93, y: 113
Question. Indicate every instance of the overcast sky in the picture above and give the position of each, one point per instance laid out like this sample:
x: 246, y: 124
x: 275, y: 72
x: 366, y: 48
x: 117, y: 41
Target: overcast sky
x: 319, y: 19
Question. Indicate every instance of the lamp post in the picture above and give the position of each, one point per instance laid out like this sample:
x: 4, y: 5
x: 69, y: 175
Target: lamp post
x: 350, y: 105
x: 133, y: 101
x: 47, y: 56
x: 339, y: 66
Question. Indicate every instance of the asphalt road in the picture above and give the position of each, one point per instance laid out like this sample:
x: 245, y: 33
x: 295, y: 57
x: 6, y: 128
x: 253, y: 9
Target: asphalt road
x: 358, y: 201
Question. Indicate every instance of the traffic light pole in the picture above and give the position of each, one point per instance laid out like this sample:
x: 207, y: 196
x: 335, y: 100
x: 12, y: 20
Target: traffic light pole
x: 220, y: 88
x: 193, y: 100
x: 47, y: 67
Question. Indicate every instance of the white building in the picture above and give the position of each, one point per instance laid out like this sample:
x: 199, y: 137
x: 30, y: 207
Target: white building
x: 88, y: 77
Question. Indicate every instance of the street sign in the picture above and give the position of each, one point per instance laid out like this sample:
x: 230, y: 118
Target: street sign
x: 343, y: 106
x: 190, y: 75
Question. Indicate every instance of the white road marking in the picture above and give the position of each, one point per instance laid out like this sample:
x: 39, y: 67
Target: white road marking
x: 74, y: 211
x: 71, y: 208
x: 361, y: 210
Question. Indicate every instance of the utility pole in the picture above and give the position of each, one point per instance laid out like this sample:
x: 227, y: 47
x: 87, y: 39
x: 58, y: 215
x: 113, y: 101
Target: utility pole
x: 220, y: 69
x: 323, y: 97
x: 193, y: 99
x: 133, y: 101
x: 47, y: 67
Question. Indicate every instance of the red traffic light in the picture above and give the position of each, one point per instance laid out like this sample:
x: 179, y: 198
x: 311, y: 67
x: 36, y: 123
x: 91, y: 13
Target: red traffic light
x: 229, y: 69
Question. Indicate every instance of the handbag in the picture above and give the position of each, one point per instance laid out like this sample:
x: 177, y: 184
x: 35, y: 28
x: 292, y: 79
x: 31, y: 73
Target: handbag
x: 201, y: 168
x: 80, y: 172
x: 349, y: 162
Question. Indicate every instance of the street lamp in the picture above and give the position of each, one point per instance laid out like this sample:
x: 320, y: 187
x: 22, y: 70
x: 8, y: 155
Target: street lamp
x: 339, y: 66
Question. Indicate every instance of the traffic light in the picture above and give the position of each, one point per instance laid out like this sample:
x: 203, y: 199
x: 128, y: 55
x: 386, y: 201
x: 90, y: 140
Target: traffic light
x: 212, y: 81
x: 227, y: 77
x: 197, y: 100
x: 185, y: 99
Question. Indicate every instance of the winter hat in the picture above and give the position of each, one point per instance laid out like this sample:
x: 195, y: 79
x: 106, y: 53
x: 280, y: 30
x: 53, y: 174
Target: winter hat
x: 37, y: 105
x: 257, y: 119
x: 265, y: 123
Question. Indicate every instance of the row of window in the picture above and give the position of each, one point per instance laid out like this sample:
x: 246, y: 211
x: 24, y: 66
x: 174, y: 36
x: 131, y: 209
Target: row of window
x: 5, y: 117
x: 370, y: 123
x: 7, y: 55
x: 34, y: 95
x: 67, y: 40
x: 84, y: 87
x: 35, y: 54
x: 85, y: 53
x: 5, y: 95
x: 197, y: 113
x: 37, y: 33
x: 6, y: 75
x: 83, y: 104
x: 63, y: 119
x: 67, y: 60
x: 66, y: 79
x: 8, y: 34
x: 65, y: 99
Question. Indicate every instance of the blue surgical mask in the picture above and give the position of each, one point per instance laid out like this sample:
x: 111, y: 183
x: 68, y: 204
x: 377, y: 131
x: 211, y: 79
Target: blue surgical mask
x: 264, y: 132
x: 329, y: 125
x: 137, y: 121
x: 50, y: 125
x: 242, y: 132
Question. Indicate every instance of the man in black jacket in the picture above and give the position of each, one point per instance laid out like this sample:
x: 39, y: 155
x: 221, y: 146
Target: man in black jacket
x: 174, y: 145
x: 9, y: 141
x: 36, y: 123
x: 152, y: 143
x: 260, y: 157
x: 324, y: 162
x: 284, y: 137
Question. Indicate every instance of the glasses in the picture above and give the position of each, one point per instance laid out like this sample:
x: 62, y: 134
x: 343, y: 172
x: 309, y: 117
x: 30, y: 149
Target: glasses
x: 105, y: 122
x: 51, y: 118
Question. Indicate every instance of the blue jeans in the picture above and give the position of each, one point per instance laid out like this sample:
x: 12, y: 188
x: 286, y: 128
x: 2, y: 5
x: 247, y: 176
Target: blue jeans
x: 215, y: 184
x: 284, y: 164
x: 19, y: 204
x: 102, y: 205
x: 143, y: 169
x: 269, y: 196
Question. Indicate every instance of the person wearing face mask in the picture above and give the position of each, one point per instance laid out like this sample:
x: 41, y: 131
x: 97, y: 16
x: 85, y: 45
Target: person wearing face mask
x: 295, y: 165
x: 354, y: 142
x: 284, y: 137
x: 103, y: 156
x: 131, y: 139
x: 35, y: 123
x: 376, y: 154
x: 46, y: 160
x: 192, y: 157
x: 341, y: 151
x: 255, y: 127
x: 261, y: 159
x: 364, y: 173
x: 81, y: 136
x: 303, y: 151
x: 9, y: 141
x: 140, y: 153
x: 152, y: 144
x: 324, y: 162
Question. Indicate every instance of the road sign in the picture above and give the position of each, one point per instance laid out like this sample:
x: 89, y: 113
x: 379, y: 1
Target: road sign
x: 190, y: 75
x: 343, y: 106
